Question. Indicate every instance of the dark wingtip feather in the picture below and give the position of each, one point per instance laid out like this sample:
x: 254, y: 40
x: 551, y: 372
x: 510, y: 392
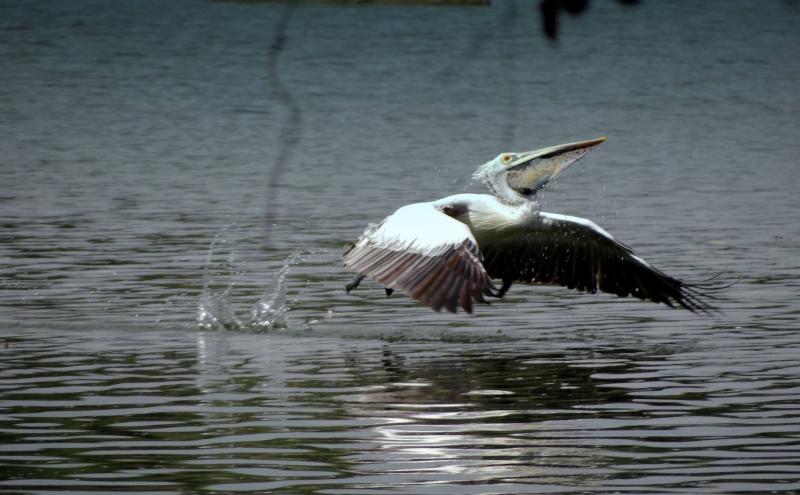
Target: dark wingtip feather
x: 697, y: 301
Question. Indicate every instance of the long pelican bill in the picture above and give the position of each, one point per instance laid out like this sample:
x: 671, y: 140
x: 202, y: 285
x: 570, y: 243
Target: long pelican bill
x: 554, y: 151
x: 531, y: 170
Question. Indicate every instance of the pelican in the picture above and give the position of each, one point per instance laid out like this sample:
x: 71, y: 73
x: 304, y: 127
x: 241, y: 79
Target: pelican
x: 446, y: 253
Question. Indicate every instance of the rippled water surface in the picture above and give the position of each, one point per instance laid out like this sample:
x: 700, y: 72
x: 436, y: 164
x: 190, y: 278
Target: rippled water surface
x: 178, y: 182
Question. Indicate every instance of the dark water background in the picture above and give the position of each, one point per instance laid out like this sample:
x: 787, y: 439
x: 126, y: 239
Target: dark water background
x: 157, y: 337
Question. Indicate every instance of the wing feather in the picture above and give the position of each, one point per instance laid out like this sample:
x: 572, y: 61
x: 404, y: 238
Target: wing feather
x: 576, y: 253
x: 425, y: 253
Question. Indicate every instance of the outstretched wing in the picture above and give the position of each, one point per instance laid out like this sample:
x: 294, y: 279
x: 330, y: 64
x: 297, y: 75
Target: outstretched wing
x: 576, y: 253
x: 425, y: 253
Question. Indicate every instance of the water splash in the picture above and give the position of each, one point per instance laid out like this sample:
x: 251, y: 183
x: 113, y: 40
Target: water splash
x: 219, y: 278
x: 270, y: 311
x: 222, y: 273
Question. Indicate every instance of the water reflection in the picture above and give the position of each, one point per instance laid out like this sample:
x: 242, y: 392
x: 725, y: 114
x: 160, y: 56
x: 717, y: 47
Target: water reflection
x: 150, y: 412
x: 479, y: 418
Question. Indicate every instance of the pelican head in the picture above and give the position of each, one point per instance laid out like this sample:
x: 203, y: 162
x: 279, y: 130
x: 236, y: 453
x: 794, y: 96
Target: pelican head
x: 516, y: 177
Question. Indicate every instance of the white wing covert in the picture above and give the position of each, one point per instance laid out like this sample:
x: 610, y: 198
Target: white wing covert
x: 425, y: 253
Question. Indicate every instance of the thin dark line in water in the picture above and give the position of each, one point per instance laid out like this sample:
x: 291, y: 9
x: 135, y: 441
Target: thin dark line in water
x: 292, y: 129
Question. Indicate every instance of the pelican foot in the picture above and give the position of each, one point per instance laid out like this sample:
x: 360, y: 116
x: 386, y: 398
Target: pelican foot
x: 354, y: 283
x: 499, y: 293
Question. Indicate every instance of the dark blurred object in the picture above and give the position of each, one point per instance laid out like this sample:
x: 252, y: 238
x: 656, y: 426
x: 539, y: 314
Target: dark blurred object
x: 367, y: 2
x: 550, y: 9
x: 574, y: 6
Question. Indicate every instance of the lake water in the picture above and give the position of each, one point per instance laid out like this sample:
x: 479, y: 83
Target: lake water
x: 179, y: 181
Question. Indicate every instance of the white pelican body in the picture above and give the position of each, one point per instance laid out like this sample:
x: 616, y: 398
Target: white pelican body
x: 445, y: 253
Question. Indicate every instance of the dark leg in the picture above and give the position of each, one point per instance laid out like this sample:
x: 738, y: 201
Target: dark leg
x: 502, y: 291
x: 354, y: 283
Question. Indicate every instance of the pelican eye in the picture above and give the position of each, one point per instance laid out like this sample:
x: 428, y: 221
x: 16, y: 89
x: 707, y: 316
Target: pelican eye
x: 506, y: 159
